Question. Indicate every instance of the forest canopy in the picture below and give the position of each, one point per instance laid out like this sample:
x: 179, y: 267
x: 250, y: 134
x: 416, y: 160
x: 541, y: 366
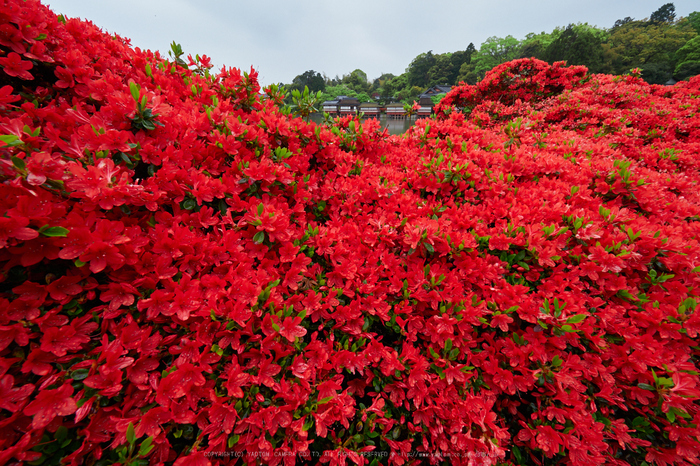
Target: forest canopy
x: 664, y: 47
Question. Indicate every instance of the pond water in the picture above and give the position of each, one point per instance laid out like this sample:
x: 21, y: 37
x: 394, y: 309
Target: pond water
x: 394, y: 126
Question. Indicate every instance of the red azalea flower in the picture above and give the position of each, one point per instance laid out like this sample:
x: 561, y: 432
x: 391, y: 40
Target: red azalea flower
x: 290, y: 328
x: 13, y: 65
x: 193, y: 459
x: 12, y: 399
x: 49, y: 404
x: 15, y: 228
x: 7, y: 97
x: 100, y: 255
x: 64, y: 287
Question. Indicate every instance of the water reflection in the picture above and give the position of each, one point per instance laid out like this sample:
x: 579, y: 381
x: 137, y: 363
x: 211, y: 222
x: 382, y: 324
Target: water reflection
x: 394, y: 126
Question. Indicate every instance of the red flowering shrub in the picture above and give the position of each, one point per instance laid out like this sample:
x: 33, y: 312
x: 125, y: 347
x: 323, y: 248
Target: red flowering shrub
x: 517, y: 81
x: 188, y: 275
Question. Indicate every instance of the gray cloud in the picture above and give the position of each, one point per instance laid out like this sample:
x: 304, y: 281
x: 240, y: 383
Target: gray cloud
x: 282, y: 39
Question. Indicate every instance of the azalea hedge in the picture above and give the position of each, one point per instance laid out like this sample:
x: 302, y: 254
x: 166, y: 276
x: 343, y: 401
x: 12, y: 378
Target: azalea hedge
x: 191, y: 276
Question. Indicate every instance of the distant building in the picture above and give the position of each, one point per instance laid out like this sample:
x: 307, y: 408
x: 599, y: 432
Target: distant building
x: 370, y: 109
x: 425, y: 100
x: 342, y: 105
x: 395, y: 111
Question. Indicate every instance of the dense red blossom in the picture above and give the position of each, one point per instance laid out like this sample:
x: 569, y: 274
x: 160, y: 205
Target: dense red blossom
x: 513, y: 282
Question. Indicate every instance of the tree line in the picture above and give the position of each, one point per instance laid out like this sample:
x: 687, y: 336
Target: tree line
x: 662, y: 46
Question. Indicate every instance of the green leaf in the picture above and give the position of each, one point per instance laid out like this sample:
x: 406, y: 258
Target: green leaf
x: 233, y: 440
x: 130, y: 434
x: 646, y: 386
x: 189, y: 204
x: 557, y: 361
x: 576, y: 319
x: 325, y: 400
x: 61, y: 433
x: 308, y: 423
x: 664, y: 382
x: 146, y: 446
x: 519, y: 340
x: 546, y: 307
x: 625, y: 294
x: 429, y: 247
x: 54, y: 232
x: 80, y: 374
x: 33, y: 133
x: 261, y: 208
x: 518, y: 455
x: 568, y: 328
x: 448, y: 345
x: 671, y: 415
x: 259, y: 237
x: 134, y: 88
x: 11, y: 140
x: 19, y: 163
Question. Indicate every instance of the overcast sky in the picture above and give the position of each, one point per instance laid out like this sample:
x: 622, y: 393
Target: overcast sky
x: 284, y: 38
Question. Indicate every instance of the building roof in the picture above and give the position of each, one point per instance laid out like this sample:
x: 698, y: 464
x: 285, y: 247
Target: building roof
x: 437, y: 90
x: 347, y: 100
x: 341, y: 100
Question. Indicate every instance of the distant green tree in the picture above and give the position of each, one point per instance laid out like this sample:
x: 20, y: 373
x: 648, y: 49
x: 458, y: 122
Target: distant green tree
x: 419, y: 69
x: 493, y: 52
x: 379, y: 82
x: 457, y: 60
x: 622, y: 22
x: 357, y: 80
x: 688, y: 59
x: 443, y: 71
x: 694, y: 19
x: 380, y: 86
x: 535, y: 45
x: 332, y: 92
x: 690, y: 51
x: 467, y: 74
x: 409, y: 94
x: 650, y: 46
x: 578, y: 44
x: 687, y: 69
x: 395, y: 85
x: 311, y: 79
x: 665, y: 14
x: 657, y: 73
